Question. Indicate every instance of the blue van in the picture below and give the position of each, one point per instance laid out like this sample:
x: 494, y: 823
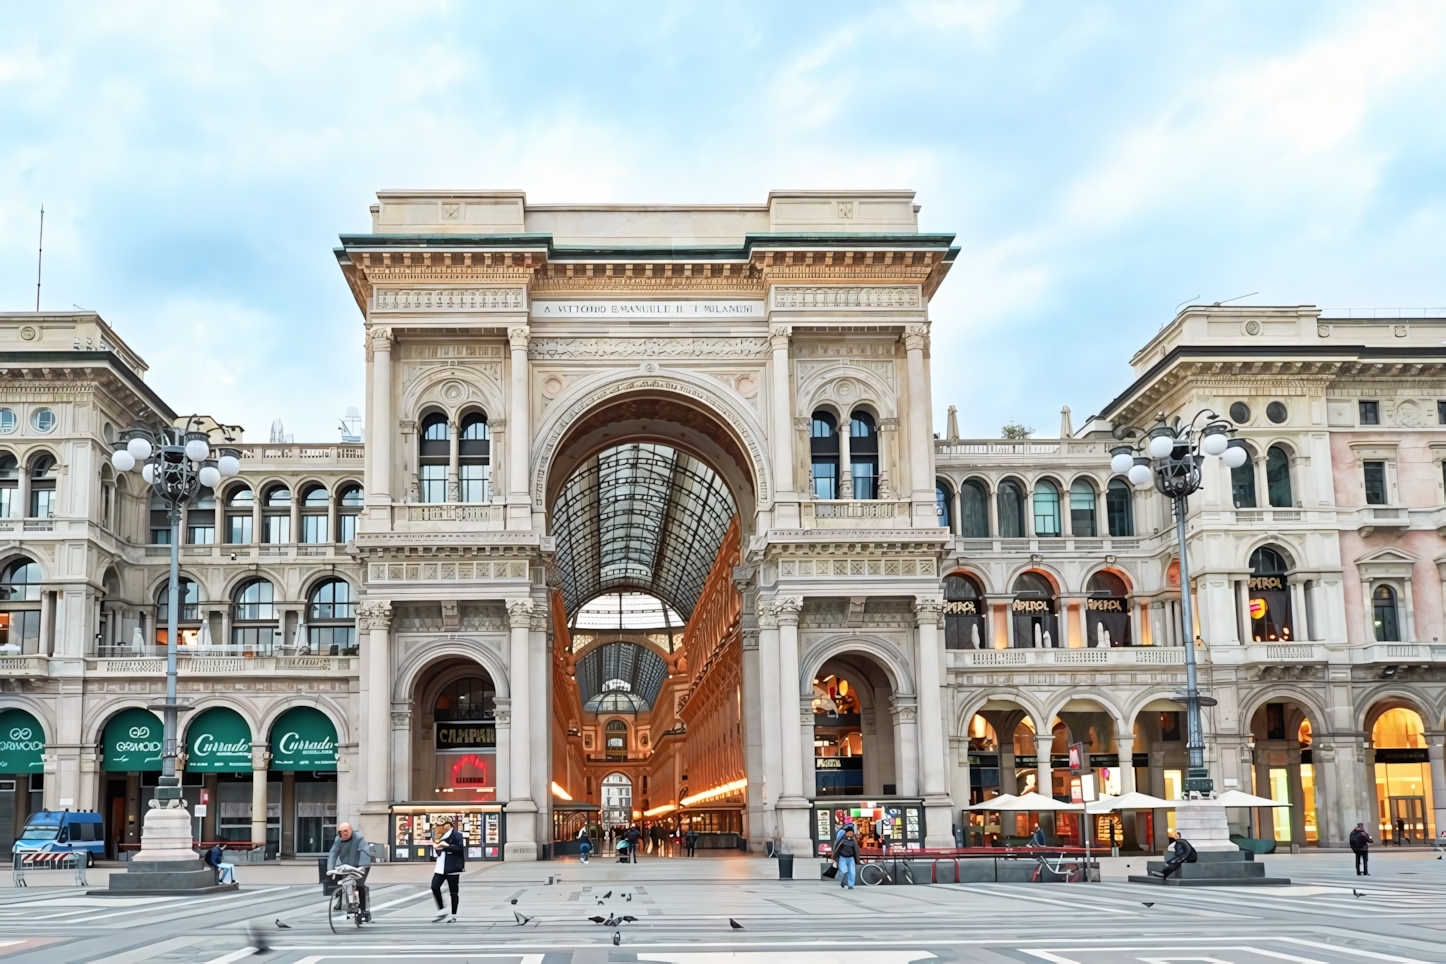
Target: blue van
x: 63, y: 831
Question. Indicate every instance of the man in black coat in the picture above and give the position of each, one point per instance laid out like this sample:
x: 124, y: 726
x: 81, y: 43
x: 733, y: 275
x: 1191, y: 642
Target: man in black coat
x: 451, y: 849
x: 633, y: 836
x: 1184, y: 854
x: 1360, y: 841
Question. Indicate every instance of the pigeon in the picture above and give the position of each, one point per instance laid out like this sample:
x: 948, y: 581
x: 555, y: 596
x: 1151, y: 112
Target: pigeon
x: 607, y: 895
x: 1357, y: 892
x: 617, y: 937
x: 257, y: 940
x: 630, y: 896
x: 1148, y: 903
x: 513, y: 901
x: 598, y: 920
x: 521, y: 918
x: 285, y: 927
x: 734, y: 924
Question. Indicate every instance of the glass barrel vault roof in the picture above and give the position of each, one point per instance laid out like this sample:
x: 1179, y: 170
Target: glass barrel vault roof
x: 640, y: 671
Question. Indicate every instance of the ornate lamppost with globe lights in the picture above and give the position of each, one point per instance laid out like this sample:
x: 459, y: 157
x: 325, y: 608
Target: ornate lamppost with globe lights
x: 176, y: 463
x: 1172, y: 455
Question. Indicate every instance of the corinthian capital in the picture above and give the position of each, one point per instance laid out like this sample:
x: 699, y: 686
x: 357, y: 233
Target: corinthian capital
x: 779, y: 335
x: 928, y: 610
x: 519, y: 613
x: 786, y: 609
x: 375, y: 615
x: 916, y: 338
x: 517, y: 337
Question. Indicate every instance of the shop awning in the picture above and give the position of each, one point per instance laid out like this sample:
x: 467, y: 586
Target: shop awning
x: 22, y: 743
x: 218, y: 741
x: 303, y: 739
x: 133, y: 740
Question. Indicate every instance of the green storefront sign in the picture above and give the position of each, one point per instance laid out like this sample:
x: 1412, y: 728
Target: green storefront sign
x: 134, y: 740
x: 22, y: 743
x: 218, y: 741
x: 303, y: 739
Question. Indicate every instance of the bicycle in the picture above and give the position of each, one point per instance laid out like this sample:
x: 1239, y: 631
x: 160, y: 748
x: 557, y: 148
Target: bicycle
x: 346, y: 899
x: 1058, y: 871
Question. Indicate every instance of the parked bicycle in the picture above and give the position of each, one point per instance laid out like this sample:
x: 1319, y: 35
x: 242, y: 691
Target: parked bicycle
x: 1064, y: 869
x: 346, y: 899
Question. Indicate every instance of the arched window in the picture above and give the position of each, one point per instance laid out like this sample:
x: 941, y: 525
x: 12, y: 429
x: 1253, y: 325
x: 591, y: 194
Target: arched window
x: 1242, y: 482
x: 864, y: 456
x: 42, y: 486
x: 469, y: 698
x: 1120, y: 508
x: 1035, y: 621
x: 615, y: 740
x: 474, y: 454
x: 188, y: 619
x: 944, y: 504
x: 1046, y: 508
x: 1270, y: 617
x: 253, y: 618
x: 1277, y: 477
x: 315, y: 508
x: 973, y: 510
x: 823, y: 456
x: 331, y: 619
x: 434, y: 456
x: 348, y: 507
x: 240, y: 502
x: 1107, y: 611
x: 1082, y: 509
x: 9, y: 486
x: 1011, y: 510
x: 20, y: 624
x: 1383, y: 606
x: 276, y: 516
x: 201, y: 519
x: 965, y: 625
x: 617, y: 800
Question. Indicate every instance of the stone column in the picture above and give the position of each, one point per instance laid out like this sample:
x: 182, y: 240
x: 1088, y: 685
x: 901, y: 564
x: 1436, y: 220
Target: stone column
x: 1367, y: 613
x: 519, y: 433
x: 260, y: 767
x: 379, y: 434
x: 905, y: 715
x: 921, y: 437
x: 503, y: 715
x: 453, y: 462
x: 47, y: 623
x: 781, y: 405
x: 331, y: 520
x: 1044, y: 780
x: 768, y: 688
x: 376, y: 619
x: 521, y: 808
x: 1437, y: 757
x: 845, y: 460
x: 793, y: 807
x: 932, y: 745
x: 1408, y: 606
x: 257, y: 535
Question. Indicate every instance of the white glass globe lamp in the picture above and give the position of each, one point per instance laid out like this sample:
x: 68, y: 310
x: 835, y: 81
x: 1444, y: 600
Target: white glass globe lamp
x: 1140, y: 475
x: 210, y: 476
x: 1161, y: 446
x: 149, y: 473
x: 1122, y: 463
x: 122, y: 461
x: 1235, y: 456
x: 139, y: 448
x: 229, y: 466
x: 197, y: 450
x: 1215, y: 443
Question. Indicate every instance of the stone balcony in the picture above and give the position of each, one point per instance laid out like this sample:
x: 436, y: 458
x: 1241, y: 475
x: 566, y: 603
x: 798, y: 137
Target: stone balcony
x: 856, y: 514
x: 42, y: 666
x: 1115, y: 657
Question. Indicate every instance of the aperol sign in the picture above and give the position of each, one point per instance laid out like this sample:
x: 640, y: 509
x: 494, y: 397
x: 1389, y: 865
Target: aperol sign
x: 1258, y: 608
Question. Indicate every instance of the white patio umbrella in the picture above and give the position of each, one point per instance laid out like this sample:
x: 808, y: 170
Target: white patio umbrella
x: 1000, y: 802
x: 1238, y: 798
x: 1129, y: 801
x: 1038, y: 801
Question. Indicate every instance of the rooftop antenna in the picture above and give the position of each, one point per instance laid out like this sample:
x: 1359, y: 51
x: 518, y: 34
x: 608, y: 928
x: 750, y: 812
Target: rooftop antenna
x: 1236, y: 298
x: 39, y: 257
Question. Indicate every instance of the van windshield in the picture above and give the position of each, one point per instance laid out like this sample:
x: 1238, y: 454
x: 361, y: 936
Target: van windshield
x: 38, y: 831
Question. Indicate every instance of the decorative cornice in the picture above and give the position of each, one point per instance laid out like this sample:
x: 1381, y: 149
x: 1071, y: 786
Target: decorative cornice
x: 849, y: 297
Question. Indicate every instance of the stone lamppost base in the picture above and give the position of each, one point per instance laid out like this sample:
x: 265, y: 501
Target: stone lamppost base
x: 166, y: 864
x: 1219, y: 862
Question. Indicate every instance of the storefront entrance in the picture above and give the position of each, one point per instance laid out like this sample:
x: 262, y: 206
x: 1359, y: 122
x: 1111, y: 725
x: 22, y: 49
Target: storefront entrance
x: 881, y: 825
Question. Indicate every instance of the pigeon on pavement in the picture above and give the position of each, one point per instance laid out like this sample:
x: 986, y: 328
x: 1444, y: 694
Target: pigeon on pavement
x: 285, y: 927
x: 734, y: 924
x: 521, y: 918
x: 1148, y: 903
x: 617, y: 937
x: 607, y: 895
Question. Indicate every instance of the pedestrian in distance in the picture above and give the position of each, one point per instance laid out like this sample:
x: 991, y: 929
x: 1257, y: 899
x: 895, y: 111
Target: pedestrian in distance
x: 1036, y: 839
x: 1360, y: 841
x: 1184, y: 854
x: 655, y: 834
x: 846, y: 852
x: 692, y: 839
x: 584, y: 844
x: 349, y: 849
x: 1400, y: 832
x: 633, y: 836
x: 451, y: 851
x: 225, y: 873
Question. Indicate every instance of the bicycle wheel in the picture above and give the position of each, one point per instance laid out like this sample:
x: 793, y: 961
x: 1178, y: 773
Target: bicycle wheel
x: 872, y: 874
x: 334, y: 907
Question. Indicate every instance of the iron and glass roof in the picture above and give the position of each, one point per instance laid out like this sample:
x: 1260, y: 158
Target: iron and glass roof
x: 620, y: 677
x: 640, y: 516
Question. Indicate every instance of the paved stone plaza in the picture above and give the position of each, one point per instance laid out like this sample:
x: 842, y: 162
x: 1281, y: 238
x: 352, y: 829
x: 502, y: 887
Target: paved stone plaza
x: 684, y: 906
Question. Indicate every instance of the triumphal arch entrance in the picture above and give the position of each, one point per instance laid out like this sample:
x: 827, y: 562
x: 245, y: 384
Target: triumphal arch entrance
x: 650, y: 530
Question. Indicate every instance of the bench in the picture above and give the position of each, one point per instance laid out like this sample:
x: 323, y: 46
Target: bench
x: 33, y: 862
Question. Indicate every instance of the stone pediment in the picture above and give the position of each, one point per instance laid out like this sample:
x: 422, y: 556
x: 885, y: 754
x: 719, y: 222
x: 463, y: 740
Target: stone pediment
x: 1386, y: 563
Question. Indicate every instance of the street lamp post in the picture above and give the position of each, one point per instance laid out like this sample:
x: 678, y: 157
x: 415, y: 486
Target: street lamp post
x: 1171, y: 456
x: 176, y: 462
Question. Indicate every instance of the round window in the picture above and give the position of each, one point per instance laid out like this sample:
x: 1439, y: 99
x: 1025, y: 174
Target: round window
x: 42, y: 420
x: 1276, y: 412
x: 1239, y: 413
x: 8, y: 421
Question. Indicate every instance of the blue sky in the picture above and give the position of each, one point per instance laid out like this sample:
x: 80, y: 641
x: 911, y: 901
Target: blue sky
x: 1100, y: 163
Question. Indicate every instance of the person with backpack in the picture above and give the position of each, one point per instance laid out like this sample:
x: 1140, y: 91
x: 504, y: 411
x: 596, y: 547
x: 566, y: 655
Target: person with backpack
x: 1360, y: 841
x: 846, y: 852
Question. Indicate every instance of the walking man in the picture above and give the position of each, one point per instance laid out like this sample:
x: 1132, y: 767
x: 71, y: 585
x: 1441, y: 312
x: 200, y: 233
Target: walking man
x: 692, y: 839
x: 1360, y: 841
x: 846, y: 852
x: 349, y: 849
x: 633, y: 836
x: 451, y: 850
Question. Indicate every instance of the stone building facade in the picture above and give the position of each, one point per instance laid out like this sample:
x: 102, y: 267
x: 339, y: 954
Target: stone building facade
x: 724, y: 410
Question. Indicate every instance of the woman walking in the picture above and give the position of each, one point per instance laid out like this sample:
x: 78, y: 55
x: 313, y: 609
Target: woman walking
x: 451, y: 858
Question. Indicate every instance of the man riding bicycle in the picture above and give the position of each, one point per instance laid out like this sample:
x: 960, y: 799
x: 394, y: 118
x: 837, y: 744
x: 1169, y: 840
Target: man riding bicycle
x: 350, y: 849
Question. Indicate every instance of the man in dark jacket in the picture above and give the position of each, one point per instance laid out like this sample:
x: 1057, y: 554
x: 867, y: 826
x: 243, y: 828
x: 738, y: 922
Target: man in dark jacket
x: 451, y: 849
x: 349, y: 849
x: 1360, y: 841
x: 1184, y: 854
x: 692, y: 842
x: 633, y: 836
x: 846, y: 852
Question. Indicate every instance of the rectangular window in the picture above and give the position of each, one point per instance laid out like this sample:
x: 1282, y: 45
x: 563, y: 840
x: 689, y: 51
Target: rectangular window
x: 42, y: 503
x: 1375, y: 477
x: 313, y: 528
x: 1370, y: 413
x: 434, y: 483
x: 1117, y: 507
x: 1441, y: 413
x: 200, y: 535
x: 825, y: 480
x: 254, y: 639
x: 161, y: 537
x: 476, y: 481
x: 21, y: 631
x: 332, y: 640
x: 7, y: 501
x: 238, y: 532
x: 346, y: 528
x: 866, y: 480
x: 278, y: 529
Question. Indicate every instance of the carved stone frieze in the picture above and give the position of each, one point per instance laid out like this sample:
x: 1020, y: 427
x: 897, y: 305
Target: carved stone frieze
x: 849, y: 297
x: 450, y: 299
x: 887, y: 566
x: 568, y: 348
x: 446, y: 571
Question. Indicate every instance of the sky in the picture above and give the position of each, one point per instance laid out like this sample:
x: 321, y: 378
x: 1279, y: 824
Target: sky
x: 1100, y: 163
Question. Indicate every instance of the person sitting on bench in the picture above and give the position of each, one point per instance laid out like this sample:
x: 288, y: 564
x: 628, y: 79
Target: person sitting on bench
x: 1184, y: 854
